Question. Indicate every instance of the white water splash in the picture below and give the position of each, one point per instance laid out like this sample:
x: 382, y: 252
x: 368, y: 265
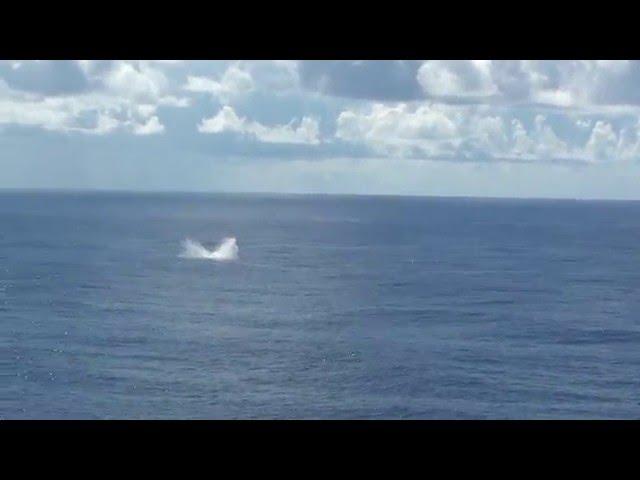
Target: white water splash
x: 226, y: 251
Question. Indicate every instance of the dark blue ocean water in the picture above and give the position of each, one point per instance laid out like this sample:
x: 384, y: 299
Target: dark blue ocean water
x: 338, y: 307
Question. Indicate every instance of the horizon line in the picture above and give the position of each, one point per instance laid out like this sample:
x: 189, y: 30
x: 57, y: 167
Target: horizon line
x: 306, y: 194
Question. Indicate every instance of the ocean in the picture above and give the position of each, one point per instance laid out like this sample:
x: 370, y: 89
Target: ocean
x: 193, y: 306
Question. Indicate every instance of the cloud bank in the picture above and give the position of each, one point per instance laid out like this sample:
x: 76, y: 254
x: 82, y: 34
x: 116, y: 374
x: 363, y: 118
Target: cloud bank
x: 580, y: 114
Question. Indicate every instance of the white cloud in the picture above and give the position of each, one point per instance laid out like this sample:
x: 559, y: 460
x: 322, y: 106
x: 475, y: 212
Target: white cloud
x: 561, y: 84
x: 455, y: 133
x: 273, y: 77
x: 395, y: 128
x: 227, y: 120
x: 151, y: 127
x: 123, y: 95
x: 603, y: 142
x: 30, y: 112
x: 524, y: 111
x: 139, y: 81
x: 464, y: 78
x: 233, y: 83
x: 105, y: 124
x: 547, y: 144
x: 523, y: 144
x: 71, y: 114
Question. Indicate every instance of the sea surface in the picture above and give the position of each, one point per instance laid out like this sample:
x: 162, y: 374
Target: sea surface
x: 323, y: 307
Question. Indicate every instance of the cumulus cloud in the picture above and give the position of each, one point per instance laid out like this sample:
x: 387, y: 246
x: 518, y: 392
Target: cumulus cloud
x: 33, y: 112
x: 464, y: 78
x: 227, y: 120
x: 562, y: 84
x: 233, y: 83
x: 151, y: 127
x: 241, y: 78
x: 113, y: 95
x: 603, y: 141
x: 104, y: 124
x: 396, y: 128
x: 494, y: 110
x: 135, y: 81
x: 476, y: 111
x: 464, y: 133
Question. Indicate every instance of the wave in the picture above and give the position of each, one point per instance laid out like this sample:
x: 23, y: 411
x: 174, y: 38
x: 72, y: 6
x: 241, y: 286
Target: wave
x: 226, y: 251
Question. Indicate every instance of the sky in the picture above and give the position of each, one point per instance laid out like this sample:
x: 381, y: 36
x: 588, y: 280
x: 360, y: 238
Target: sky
x: 516, y: 128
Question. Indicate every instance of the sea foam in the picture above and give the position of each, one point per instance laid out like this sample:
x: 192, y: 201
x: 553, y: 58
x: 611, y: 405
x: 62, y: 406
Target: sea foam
x: 226, y: 251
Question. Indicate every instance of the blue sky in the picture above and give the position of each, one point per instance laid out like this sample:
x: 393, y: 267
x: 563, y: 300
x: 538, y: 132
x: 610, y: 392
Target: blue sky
x: 481, y: 128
